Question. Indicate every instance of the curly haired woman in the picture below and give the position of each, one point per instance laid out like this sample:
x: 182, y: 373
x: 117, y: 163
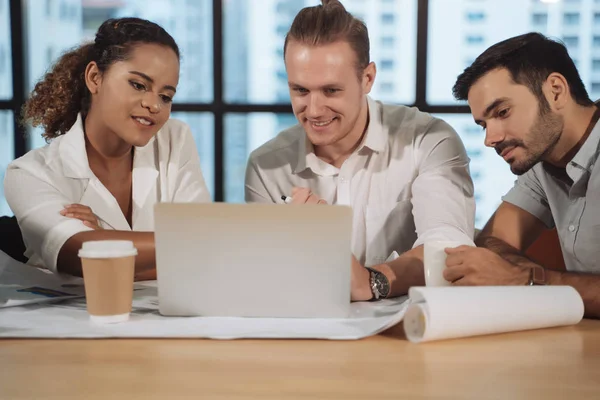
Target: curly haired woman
x: 113, y: 150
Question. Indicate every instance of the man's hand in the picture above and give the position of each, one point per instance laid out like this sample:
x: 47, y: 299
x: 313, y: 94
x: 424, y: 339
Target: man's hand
x: 360, y: 288
x: 305, y: 196
x: 83, y: 213
x: 476, y: 266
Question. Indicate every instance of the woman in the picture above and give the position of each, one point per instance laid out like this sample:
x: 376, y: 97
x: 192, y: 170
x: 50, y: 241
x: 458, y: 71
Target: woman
x: 114, y: 152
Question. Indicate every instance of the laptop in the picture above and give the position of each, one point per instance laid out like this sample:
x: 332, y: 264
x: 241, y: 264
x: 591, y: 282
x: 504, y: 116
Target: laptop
x: 253, y: 260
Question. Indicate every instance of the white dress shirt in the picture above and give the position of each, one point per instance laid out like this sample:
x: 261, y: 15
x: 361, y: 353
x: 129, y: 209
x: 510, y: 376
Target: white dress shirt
x: 408, y: 182
x: 42, y: 182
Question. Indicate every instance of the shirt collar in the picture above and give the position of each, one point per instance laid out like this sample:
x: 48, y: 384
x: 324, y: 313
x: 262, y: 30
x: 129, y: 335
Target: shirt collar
x: 375, y: 139
x: 74, y: 156
x: 72, y: 152
x: 305, y: 148
x: 588, y: 153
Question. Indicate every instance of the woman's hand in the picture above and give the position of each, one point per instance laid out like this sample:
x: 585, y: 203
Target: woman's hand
x: 83, y: 213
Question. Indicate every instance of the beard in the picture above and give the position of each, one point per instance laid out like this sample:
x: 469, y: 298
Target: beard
x: 538, y: 143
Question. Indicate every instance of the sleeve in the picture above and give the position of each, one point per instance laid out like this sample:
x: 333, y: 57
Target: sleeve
x: 442, y: 193
x: 529, y: 195
x: 255, y: 189
x: 190, y: 186
x: 37, y: 203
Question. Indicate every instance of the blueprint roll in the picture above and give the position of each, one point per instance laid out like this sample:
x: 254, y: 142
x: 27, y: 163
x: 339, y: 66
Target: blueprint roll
x: 438, y: 313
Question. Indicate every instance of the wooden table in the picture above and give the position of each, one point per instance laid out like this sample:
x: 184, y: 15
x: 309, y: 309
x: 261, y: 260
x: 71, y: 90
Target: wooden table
x: 558, y: 363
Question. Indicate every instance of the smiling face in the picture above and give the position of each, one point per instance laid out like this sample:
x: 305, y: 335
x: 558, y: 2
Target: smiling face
x: 328, y: 98
x: 522, y: 130
x: 132, y: 98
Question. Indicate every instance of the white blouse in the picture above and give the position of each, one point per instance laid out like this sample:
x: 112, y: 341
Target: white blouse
x: 40, y: 184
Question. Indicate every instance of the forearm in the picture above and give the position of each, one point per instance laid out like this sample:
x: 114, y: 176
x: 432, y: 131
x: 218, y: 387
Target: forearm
x: 506, y: 251
x: 404, y: 272
x: 70, y: 263
x: 587, y: 285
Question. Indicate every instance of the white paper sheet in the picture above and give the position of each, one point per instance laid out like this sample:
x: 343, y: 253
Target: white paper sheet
x: 25, y: 312
x: 69, y: 319
x: 23, y: 284
x: 451, y: 312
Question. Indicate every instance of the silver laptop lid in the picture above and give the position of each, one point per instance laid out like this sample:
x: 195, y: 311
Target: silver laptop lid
x: 254, y: 260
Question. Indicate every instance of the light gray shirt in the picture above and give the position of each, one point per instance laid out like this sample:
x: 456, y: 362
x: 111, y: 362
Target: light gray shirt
x: 568, y: 200
x: 408, y: 181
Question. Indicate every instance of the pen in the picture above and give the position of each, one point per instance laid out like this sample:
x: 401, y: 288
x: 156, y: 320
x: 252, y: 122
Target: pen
x: 286, y: 199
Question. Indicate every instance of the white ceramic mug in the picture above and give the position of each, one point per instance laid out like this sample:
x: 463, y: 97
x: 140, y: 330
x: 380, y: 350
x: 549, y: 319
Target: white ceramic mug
x: 434, y: 260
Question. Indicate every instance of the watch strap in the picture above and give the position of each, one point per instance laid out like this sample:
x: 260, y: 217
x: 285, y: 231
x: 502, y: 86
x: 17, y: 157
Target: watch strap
x: 537, y: 276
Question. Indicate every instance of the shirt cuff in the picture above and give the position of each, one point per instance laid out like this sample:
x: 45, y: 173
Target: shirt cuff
x: 444, y: 234
x: 56, y: 238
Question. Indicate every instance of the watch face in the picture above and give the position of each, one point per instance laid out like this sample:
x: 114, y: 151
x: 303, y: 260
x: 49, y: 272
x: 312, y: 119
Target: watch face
x: 383, y: 285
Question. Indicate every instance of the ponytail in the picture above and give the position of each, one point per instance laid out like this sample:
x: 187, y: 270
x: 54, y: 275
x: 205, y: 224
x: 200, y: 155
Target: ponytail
x: 61, y: 94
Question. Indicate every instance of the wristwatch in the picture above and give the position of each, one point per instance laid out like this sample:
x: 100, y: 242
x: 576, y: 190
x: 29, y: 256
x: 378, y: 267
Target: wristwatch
x: 537, y: 276
x: 380, y: 285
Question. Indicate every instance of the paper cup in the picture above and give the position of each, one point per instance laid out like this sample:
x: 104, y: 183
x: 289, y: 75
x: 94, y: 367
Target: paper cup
x: 108, y: 270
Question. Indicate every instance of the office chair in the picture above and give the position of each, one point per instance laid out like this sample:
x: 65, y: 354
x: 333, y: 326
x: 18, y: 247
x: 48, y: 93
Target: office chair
x: 11, y: 240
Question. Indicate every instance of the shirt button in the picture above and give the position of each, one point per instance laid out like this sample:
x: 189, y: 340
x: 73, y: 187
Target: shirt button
x: 571, y: 228
x: 343, y: 180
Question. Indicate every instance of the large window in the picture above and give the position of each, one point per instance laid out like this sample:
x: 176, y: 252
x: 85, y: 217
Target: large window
x: 6, y: 94
x: 6, y: 153
x: 243, y: 134
x: 233, y: 88
x: 5, y: 53
x: 202, y: 125
x: 452, y: 46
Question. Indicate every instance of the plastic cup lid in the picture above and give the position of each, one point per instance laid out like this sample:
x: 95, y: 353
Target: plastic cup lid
x: 107, y: 249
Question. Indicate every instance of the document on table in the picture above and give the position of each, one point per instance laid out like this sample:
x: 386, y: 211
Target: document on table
x: 24, y: 284
x: 69, y: 319
x: 38, y: 304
